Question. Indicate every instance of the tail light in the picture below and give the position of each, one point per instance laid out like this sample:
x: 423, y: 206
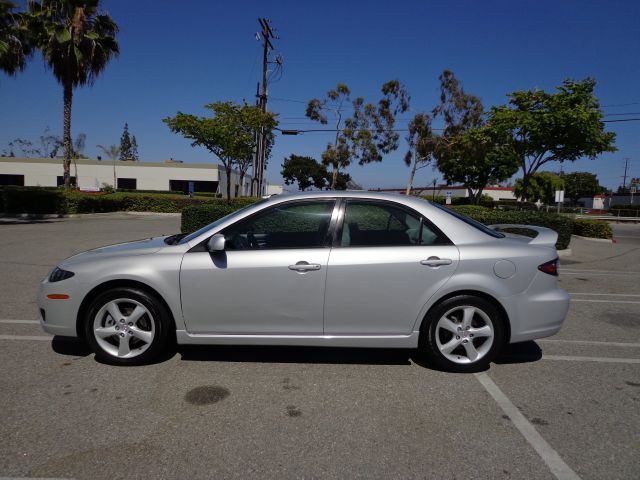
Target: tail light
x: 550, y: 268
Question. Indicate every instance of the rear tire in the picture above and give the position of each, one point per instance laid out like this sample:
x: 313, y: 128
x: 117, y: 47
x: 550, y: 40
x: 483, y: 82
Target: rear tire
x: 462, y: 334
x: 127, y: 326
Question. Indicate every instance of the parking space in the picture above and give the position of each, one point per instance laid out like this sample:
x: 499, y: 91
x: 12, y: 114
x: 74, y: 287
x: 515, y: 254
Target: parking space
x: 565, y: 407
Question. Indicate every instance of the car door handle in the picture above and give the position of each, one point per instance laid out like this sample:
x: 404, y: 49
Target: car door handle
x: 304, y: 267
x: 435, y: 261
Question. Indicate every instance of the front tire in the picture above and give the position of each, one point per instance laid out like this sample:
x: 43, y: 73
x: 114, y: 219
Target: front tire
x: 127, y: 326
x: 462, y: 334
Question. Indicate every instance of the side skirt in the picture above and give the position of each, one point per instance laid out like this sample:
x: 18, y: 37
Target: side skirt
x: 364, y: 341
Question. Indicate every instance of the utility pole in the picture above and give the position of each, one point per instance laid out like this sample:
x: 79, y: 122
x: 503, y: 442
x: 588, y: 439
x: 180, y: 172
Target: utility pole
x: 256, y: 155
x: 624, y: 178
x: 267, y: 35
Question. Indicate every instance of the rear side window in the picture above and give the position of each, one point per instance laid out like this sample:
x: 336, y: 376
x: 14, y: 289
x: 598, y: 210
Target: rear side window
x: 470, y: 221
x: 369, y: 224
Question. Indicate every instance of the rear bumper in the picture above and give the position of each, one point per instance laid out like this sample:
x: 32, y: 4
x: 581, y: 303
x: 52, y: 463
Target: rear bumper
x: 536, y: 314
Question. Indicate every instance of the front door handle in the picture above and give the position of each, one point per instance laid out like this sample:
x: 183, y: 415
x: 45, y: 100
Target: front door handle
x: 435, y: 261
x: 304, y: 267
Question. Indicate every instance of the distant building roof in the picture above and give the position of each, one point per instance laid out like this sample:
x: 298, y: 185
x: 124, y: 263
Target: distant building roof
x: 129, y: 163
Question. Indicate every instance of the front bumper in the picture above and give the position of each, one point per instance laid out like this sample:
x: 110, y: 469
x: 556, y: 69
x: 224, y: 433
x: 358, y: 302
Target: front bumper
x: 59, y: 315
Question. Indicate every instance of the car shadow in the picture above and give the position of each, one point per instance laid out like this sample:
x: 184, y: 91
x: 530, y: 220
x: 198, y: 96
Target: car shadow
x: 75, y: 347
x: 524, y: 352
x: 284, y: 354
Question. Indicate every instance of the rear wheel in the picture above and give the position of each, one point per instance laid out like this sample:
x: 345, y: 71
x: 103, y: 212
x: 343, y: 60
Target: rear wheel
x: 462, y: 334
x: 127, y: 326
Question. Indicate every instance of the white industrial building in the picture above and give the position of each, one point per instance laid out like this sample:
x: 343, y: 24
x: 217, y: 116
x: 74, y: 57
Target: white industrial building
x: 93, y: 174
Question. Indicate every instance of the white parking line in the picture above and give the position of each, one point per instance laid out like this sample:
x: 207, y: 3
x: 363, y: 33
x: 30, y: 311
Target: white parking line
x: 589, y: 274
x: 20, y: 321
x: 591, y: 359
x: 607, y: 294
x: 585, y: 270
x: 555, y: 463
x: 25, y: 337
x: 590, y: 342
x: 602, y: 301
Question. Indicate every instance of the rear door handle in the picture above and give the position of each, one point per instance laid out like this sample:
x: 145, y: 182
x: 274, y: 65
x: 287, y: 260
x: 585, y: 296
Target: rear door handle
x: 435, y: 261
x: 304, y: 267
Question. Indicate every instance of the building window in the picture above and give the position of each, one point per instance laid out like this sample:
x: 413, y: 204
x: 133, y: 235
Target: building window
x: 8, y: 179
x: 198, y: 186
x: 127, y: 183
x: 60, y: 181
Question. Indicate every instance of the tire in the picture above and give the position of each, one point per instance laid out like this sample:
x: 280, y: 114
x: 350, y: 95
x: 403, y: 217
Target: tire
x: 474, y: 325
x: 135, y: 332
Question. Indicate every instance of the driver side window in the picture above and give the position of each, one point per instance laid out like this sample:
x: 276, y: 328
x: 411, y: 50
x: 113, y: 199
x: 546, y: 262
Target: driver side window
x: 290, y: 225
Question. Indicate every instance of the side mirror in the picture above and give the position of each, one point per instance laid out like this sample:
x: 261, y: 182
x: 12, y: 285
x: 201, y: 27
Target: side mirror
x: 216, y: 243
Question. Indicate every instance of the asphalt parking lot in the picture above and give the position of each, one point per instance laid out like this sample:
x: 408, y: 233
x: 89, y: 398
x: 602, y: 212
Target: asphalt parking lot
x: 565, y: 407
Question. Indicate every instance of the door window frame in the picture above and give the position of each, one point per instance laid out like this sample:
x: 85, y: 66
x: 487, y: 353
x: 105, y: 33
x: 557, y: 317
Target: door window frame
x: 326, y: 241
x: 342, y: 205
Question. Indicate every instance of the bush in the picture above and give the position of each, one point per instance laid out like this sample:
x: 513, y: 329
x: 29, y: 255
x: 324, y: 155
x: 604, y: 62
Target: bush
x: 561, y: 224
x: 38, y: 200
x: 195, y: 217
x: 592, y: 229
x: 32, y: 200
x: 158, y: 192
x: 625, y: 210
x: 485, y: 200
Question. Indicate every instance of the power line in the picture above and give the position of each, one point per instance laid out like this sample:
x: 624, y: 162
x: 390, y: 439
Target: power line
x: 622, y: 120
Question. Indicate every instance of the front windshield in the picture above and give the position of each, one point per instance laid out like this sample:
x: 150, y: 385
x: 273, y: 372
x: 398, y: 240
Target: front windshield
x: 197, y: 233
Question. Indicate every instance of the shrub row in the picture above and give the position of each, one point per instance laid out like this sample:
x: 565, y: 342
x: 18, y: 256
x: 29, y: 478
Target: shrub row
x: 58, y: 201
x: 561, y: 224
x: 625, y: 210
x: 195, y: 217
x: 592, y: 228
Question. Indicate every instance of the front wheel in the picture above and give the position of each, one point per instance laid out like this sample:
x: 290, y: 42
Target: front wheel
x: 127, y: 326
x: 462, y: 334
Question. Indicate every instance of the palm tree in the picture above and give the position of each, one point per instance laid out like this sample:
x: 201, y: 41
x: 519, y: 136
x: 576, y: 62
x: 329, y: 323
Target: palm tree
x: 113, y: 152
x: 15, y: 47
x: 77, y: 43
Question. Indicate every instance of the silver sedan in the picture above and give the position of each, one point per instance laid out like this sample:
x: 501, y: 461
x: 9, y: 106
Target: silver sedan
x: 319, y: 269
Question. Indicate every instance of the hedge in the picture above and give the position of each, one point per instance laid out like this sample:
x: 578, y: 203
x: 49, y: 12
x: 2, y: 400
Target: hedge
x: 625, y: 210
x: 58, y: 201
x: 561, y: 224
x: 195, y: 217
x: 592, y: 228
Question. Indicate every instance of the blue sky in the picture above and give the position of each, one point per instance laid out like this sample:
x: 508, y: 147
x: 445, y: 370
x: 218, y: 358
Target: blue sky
x: 181, y: 55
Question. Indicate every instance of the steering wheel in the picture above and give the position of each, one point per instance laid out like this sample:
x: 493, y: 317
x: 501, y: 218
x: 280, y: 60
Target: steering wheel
x: 253, y: 243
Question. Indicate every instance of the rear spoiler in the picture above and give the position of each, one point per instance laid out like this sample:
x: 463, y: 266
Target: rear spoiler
x: 546, y: 237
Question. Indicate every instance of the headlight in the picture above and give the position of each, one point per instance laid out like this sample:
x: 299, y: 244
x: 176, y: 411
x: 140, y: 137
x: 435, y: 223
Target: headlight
x: 58, y: 275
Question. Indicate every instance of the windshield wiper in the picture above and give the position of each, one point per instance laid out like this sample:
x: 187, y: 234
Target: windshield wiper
x: 173, y: 239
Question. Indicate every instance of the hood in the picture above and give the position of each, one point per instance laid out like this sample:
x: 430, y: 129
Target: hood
x: 138, y: 247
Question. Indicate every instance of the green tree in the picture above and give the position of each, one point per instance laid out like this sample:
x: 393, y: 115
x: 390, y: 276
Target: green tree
x: 112, y: 152
x: 553, y: 127
x: 471, y: 151
x: 125, y: 144
x: 476, y: 158
x: 541, y: 187
x: 229, y: 134
x: 581, y: 184
x: 307, y: 172
x: 363, y: 131
x: 422, y: 146
x: 15, y: 41
x: 77, y: 43
x: 134, y: 149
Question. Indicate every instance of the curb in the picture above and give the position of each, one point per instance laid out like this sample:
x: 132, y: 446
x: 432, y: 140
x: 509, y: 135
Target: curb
x: 589, y: 239
x: 44, y: 216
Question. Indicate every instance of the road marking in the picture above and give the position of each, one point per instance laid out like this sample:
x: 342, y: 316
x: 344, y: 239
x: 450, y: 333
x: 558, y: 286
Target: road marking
x: 558, y: 467
x: 580, y: 270
x: 20, y: 321
x: 25, y: 337
x: 589, y: 274
x: 591, y: 342
x: 602, y: 301
x: 607, y: 294
x: 591, y: 359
